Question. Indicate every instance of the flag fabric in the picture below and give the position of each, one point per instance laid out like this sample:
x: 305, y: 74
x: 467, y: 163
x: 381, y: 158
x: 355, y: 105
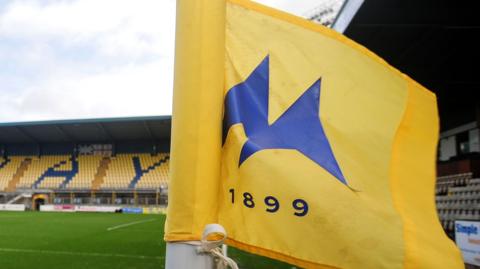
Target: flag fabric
x: 328, y: 153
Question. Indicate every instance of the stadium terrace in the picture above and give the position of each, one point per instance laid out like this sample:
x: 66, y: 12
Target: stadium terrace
x: 120, y: 162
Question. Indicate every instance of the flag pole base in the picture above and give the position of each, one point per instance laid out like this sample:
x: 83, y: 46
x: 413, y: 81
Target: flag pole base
x: 186, y: 255
x: 204, y: 254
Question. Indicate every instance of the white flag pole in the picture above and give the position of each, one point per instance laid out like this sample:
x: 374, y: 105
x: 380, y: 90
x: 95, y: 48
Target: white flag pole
x: 185, y: 255
x: 209, y: 253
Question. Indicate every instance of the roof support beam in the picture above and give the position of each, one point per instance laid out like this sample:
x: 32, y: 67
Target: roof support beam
x: 149, y: 131
x: 105, y: 132
x: 65, y: 134
x: 426, y: 35
x: 26, y: 134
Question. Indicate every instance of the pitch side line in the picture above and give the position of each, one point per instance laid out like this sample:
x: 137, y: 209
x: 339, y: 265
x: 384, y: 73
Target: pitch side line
x: 128, y: 224
x: 80, y: 253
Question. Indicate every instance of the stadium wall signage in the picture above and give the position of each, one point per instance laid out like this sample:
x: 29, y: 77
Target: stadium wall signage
x: 5, y: 207
x: 468, y: 240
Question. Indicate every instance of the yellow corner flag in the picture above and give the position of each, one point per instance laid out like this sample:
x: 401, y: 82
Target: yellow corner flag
x: 304, y: 145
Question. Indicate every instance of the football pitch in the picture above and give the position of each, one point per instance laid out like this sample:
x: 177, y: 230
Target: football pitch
x: 92, y: 240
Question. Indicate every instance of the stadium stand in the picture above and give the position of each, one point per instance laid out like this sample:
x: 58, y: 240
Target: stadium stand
x: 99, y: 161
x: 457, y: 198
x: 125, y: 171
x: 119, y: 173
x: 157, y: 169
x: 88, y: 169
x: 8, y: 170
x: 36, y: 175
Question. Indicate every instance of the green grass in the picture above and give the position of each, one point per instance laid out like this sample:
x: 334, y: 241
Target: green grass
x: 81, y: 240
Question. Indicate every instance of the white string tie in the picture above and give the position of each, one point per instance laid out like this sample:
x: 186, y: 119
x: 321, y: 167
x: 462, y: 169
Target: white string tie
x: 212, y: 239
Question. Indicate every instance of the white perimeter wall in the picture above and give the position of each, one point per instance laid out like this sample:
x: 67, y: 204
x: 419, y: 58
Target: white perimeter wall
x: 14, y: 207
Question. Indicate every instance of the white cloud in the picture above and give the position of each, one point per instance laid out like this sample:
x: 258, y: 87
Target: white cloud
x: 86, y: 58
x: 113, y: 24
x: 82, y: 96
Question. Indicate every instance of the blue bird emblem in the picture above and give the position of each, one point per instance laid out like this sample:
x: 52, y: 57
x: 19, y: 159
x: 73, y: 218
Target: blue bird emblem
x: 298, y: 128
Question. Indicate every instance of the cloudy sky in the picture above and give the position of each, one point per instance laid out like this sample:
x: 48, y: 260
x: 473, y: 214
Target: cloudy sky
x: 71, y: 59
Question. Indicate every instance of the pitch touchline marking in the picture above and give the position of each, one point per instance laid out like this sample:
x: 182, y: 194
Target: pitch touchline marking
x: 128, y: 224
x: 79, y: 253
